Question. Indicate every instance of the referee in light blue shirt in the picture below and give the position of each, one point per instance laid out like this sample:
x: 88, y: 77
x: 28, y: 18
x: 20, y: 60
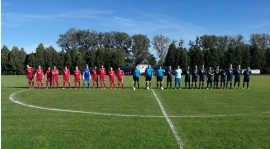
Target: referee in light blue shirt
x: 148, y: 76
x: 177, y: 73
x: 136, y: 76
x: 160, y: 72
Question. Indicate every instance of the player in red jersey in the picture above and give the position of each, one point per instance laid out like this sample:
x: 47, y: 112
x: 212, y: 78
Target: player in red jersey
x: 39, y: 76
x: 77, y: 77
x: 102, y: 73
x: 95, y: 77
x: 119, y: 74
x: 30, y: 76
x: 55, y: 77
x: 111, y: 76
x: 48, y: 77
x: 66, y: 77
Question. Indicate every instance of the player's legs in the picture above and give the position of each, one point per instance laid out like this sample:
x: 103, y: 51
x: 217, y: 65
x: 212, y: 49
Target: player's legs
x: 179, y: 83
x: 122, y: 84
x: 64, y: 84
x: 33, y: 83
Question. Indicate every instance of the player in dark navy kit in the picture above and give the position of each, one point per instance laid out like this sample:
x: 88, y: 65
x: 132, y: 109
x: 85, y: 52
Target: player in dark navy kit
x: 237, y: 75
x: 229, y: 76
x: 222, y: 78
x: 210, y: 74
x: 247, y: 74
x: 216, y: 76
x: 187, y: 77
x: 202, y: 73
x: 195, y: 74
x: 169, y: 77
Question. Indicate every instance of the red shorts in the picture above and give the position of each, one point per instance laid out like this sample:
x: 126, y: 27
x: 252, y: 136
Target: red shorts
x: 77, y: 80
x: 55, y: 80
x: 39, y: 79
x: 102, y: 78
x: 66, y: 79
x: 120, y: 79
x: 111, y: 80
x: 48, y: 80
x: 95, y: 78
x: 30, y: 78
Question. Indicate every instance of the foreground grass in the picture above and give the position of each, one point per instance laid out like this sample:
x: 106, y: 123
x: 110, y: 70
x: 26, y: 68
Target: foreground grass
x: 24, y: 127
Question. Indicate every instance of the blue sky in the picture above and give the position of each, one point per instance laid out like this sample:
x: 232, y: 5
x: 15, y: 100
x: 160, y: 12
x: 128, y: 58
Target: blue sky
x: 28, y: 23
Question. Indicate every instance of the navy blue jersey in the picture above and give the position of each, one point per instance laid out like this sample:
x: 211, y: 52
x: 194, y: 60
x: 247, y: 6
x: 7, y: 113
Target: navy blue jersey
x: 237, y: 72
x: 187, y: 73
x: 216, y: 72
x: 210, y: 74
x: 223, y: 74
x: 247, y: 73
x: 202, y: 72
x: 229, y: 73
x: 169, y: 73
x: 195, y: 73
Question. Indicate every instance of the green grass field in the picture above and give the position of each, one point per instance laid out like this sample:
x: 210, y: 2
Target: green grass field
x: 123, y: 118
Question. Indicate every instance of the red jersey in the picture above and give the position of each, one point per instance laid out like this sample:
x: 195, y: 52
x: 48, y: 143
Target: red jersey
x: 55, y: 74
x: 119, y: 73
x: 111, y: 74
x: 66, y: 73
x: 49, y: 74
x: 77, y: 75
x: 102, y: 72
x: 30, y: 72
x: 95, y: 75
x: 39, y: 74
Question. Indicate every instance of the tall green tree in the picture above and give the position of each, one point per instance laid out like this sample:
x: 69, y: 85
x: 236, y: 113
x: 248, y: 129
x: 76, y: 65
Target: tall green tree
x: 140, y: 45
x: 258, y: 58
x: 14, y: 60
x: 22, y: 57
x: 183, y: 59
x: 5, y: 69
x: 151, y: 59
x: 31, y: 60
x: 40, y: 55
x: 171, y: 55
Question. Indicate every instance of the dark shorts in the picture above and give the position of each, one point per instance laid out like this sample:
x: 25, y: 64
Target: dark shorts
x: 246, y: 79
x: 194, y: 79
x: 210, y: 80
x: 148, y: 78
x: 187, y: 79
x: 202, y: 79
x: 223, y: 79
x: 159, y: 78
x: 229, y: 78
x: 169, y: 79
x: 136, y: 78
x: 216, y: 79
x: 237, y: 79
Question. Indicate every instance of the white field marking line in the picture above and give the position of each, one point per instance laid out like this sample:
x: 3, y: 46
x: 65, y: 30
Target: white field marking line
x: 169, y: 121
x: 11, y: 97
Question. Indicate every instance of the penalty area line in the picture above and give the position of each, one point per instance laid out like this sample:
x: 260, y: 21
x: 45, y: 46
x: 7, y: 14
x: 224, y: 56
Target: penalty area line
x: 169, y: 121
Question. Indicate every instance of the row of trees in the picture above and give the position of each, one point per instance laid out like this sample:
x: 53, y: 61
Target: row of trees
x: 223, y: 50
x: 114, y: 49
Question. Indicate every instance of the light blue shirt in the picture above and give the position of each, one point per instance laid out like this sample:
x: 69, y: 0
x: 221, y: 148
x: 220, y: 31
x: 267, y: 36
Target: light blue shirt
x: 149, y: 71
x: 160, y: 72
x: 177, y: 73
x: 136, y: 72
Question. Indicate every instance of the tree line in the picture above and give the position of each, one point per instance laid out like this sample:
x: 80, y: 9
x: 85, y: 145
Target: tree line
x: 114, y: 49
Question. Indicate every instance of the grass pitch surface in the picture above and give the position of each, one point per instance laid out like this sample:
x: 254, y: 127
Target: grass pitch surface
x: 202, y: 118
